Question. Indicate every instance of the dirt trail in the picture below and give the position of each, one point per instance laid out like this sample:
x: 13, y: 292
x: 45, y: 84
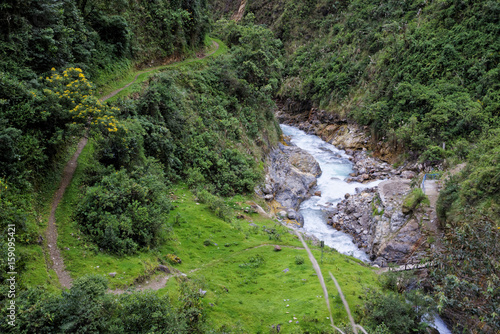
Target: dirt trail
x: 51, y: 234
x: 110, y: 95
x: 55, y: 255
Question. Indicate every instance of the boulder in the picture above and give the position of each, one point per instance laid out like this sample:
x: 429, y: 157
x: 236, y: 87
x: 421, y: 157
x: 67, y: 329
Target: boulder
x: 292, y: 174
x: 113, y: 274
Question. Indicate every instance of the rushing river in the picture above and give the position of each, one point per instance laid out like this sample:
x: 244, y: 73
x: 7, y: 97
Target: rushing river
x: 336, y: 167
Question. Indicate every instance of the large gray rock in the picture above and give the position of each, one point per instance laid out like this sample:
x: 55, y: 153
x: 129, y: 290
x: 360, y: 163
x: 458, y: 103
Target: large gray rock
x: 386, y: 234
x: 291, y: 175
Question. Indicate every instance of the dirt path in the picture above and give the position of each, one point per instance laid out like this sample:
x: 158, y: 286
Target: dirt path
x: 51, y: 234
x: 110, y: 95
x: 55, y: 255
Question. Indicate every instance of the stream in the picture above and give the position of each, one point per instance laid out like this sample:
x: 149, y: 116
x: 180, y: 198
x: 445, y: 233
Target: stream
x: 335, y: 166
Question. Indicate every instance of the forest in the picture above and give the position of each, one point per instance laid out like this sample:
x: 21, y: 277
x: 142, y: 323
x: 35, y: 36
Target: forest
x: 173, y: 160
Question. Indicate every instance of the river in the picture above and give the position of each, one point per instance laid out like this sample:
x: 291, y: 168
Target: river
x: 335, y: 166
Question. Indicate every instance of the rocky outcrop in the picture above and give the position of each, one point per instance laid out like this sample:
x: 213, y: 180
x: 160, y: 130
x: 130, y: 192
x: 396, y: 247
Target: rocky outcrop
x: 366, y: 168
x: 291, y: 175
x: 375, y: 220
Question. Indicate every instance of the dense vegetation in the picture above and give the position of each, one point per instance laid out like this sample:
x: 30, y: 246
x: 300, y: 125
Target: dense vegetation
x: 87, y: 308
x: 423, y: 75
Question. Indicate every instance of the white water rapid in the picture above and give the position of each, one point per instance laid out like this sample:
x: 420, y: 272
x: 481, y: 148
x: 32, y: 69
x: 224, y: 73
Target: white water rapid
x: 336, y: 167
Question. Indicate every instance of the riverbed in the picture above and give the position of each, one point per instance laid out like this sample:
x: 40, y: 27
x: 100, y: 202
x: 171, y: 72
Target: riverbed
x: 336, y: 167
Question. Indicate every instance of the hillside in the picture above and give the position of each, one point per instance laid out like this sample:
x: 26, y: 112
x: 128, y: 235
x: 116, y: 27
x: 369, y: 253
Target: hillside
x: 160, y: 228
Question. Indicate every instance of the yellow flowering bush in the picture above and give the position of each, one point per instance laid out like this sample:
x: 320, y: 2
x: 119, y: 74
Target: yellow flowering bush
x: 75, y: 96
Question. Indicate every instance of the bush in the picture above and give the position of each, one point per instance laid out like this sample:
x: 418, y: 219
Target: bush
x: 396, y: 313
x: 146, y: 312
x: 85, y: 308
x: 299, y: 260
x: 123, y: 213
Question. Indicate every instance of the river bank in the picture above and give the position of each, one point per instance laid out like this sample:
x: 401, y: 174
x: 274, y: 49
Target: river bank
x: 351, y: 201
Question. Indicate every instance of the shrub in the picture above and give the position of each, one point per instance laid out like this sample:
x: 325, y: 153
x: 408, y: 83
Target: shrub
x: 396, y: 313
x: 299, y: 260
x: 146, y: 312
x: 123, y: 213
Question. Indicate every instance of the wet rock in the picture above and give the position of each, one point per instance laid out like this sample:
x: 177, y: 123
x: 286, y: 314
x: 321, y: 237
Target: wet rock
x: 292, y: 215
x: 291, y: 174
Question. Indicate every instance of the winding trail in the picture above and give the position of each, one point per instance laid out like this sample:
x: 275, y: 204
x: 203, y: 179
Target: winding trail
x: 51, y: 234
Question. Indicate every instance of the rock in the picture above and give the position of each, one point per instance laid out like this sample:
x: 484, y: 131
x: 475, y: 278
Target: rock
x: 253, y: 225
x: 346, y: 196
x: 113, y: 274
x: 408, y: 174
x: 267, y: 189
x: 291, y: 174
x: 277, y: 248
x: 317, y: 193
x: 282, y: 213
x: 163, y: 268
x: 268, y: 197
x: 292, y: 215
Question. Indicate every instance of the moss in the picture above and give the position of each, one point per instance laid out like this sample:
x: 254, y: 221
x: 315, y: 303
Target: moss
x: 413, y: 200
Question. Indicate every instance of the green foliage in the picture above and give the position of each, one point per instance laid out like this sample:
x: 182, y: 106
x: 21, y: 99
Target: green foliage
x: 87, y: 308
x: 413, y: 200
x: 418, y: 73
x: 124, y: 212
x: 299, y: 260
x: 466, y: 279
x: 394, y: 313
x: 83, y: 309
x: 146, y: 312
